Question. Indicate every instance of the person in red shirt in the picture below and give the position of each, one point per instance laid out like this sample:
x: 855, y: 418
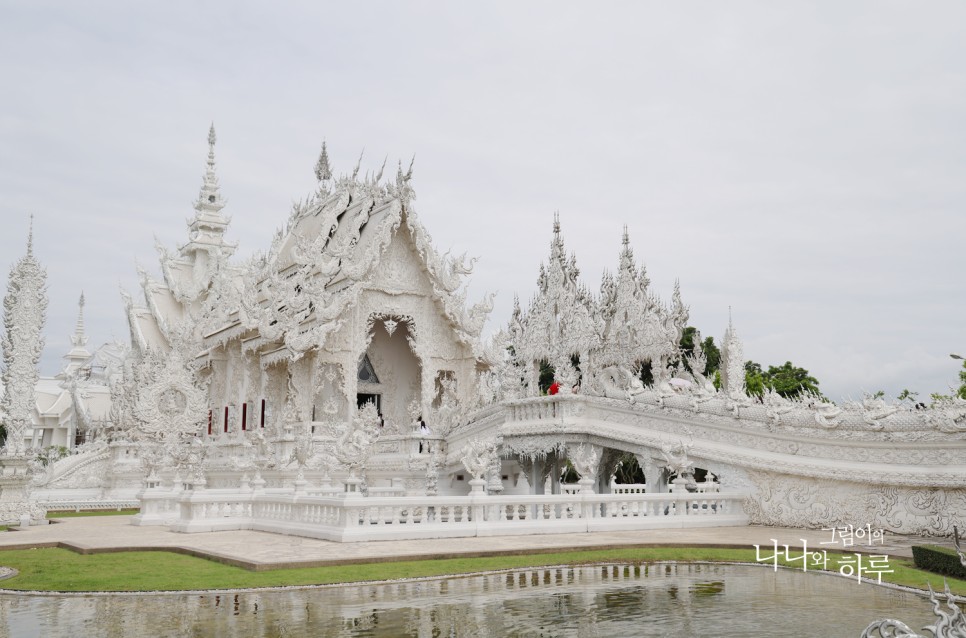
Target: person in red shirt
x: 554, y: 388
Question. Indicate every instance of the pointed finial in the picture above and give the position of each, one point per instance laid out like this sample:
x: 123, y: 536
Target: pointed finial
x: 30, y: 236
x: 323, y: 171
x: 409, y: 173
x: 556, y: 222
x: 355, y: 171
x: 626, y: 239
x: 381, y: 169
x: 209, y: 199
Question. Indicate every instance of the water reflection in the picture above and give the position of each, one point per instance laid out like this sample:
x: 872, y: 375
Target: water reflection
x: 607, y: 600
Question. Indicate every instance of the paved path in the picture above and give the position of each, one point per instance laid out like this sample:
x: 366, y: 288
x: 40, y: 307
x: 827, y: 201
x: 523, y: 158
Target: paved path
x: 263, y: 550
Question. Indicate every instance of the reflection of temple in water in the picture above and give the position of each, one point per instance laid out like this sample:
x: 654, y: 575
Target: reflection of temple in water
x: 615, y: 600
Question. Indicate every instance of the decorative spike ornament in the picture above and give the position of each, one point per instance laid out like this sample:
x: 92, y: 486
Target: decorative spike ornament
x: 355, y: 171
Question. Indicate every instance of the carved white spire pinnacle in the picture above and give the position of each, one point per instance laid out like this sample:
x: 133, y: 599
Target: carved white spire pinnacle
x: 732, y: 361
x: 30, y: 237
x: 626, y: 259
x: 79, y: 338
x: 209, y: 199
x: 323, y: 170
x: 207, y: 229
x: 24, y: 309
x: 557, y: 252
x: 78, y: 356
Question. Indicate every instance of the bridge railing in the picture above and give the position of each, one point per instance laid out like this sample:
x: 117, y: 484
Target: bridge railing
x: 357, y: 518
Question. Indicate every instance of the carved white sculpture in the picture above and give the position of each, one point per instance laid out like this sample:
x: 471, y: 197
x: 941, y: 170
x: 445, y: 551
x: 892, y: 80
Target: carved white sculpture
x: 732, y: 364
x: 24, y: 308
x: 478, y: 456
x: 585, y: 459
x: 355, y: 446
x: 949, y: 624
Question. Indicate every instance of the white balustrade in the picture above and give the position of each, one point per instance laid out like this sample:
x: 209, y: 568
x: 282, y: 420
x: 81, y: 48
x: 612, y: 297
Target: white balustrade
x: 628, y: 488
x: 357, y: 518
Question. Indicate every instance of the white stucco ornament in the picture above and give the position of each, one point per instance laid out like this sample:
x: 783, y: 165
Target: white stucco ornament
x: 169, y: 404
x: 585, y: 459
x: 478, y: 456
x: 355, y: 446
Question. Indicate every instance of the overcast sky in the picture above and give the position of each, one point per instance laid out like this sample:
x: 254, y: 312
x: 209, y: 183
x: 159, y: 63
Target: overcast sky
x: 802, y: 163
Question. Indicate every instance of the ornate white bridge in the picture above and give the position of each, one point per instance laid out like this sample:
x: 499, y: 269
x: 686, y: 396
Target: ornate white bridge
x: 801, y: 466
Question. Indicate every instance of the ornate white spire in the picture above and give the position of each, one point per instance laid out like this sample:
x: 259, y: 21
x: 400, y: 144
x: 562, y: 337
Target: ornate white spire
x: 732, y: 361
x: 78, y: 355
x: 24, y: 310
x: 209, y: 199
x: 323, y: 170
x: 207, y: 230
x: 79, y: 338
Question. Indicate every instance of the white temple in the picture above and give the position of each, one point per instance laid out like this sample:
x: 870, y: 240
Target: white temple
x: 337, y: 386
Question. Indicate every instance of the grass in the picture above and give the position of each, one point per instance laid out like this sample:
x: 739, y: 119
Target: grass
x: 73, y: 514
x: 52, y: 569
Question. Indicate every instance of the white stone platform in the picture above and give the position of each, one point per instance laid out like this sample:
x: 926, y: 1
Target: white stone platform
x: 263, y: 550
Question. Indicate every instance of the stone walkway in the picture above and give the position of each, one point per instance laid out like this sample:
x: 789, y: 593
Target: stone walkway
x: 262, y: 550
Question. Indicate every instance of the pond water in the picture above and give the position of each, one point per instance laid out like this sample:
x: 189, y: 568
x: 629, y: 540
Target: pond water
x: 602, y: 600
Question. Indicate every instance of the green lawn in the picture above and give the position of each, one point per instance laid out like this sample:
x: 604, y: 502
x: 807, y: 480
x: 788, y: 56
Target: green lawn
x: 73, y: 514
x: 63, y: 570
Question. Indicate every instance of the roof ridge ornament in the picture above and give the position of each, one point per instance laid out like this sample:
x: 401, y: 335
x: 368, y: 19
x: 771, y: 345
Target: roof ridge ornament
x: 355, y: 171
x: 381, y: 169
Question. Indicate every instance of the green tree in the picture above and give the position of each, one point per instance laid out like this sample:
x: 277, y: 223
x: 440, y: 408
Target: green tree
x: 646, y: 374
x: 712, y: 354
x: 754, y: 379
x: 908, y: 394
x: 789, y: 380
x: 687, y: 340
x: 546, y: 376
x: 961, y: 393
x: 51, y: 454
